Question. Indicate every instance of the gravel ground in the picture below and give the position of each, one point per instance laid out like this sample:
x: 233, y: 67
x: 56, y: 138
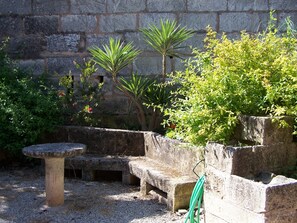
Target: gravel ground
x: 22, y: 200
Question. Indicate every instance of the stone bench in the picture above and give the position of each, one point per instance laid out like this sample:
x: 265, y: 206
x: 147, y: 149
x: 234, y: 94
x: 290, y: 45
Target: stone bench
x: 169, y: 185
x: 163, y: 166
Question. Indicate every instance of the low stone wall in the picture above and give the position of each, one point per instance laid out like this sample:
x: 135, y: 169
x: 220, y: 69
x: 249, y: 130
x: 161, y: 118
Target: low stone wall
x: 242, y: 184
x: 182, y: 156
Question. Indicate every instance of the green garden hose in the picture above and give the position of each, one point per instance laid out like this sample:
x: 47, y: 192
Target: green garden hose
x: 195, y: 201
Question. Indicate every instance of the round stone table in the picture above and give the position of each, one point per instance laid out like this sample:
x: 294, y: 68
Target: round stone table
x: 54, y: 154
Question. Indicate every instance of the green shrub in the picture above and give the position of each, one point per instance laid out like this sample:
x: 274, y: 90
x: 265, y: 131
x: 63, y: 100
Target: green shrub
x: 81, y: 99
x: 27, y: 107
x: 255, y: 75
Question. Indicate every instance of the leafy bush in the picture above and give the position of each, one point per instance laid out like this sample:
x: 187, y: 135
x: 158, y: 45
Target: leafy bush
x: 80, y: 99
x: 27, y: 107
x: 255, y: 75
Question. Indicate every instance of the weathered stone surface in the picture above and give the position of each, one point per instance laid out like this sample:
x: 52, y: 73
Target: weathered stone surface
x: 149, y: 65
x: 10, y: 26
x: 103, y: 142
x: 54, y: 150
x: 115, y: 6
x: 166, y: 5
x: 264, y: 130
x: 79, y: 23
x: 120, y: 105
x: 230, y: 22
x: 198, y: 22
x: 248, y: 5
x: 118, y: 23
x: 207, y: 5
x: 281, y: 195
x: 220, y: 211
x: 26, y: 47
x: 41, y: 24
x: 50, y: 7
x: 247, y: 199
x: 154, y: 18
x: 63, y: 43
x: 249, y: 161
x: 20, y: 7
x: 138, y: 40
x: 174, y: 153
x: 99, y: 40
x: 282, y: 18
x: 283, y: 5
x: 62, y: 65
x: 35, y: 67
x: 88, y: 7
x: 178, y: 186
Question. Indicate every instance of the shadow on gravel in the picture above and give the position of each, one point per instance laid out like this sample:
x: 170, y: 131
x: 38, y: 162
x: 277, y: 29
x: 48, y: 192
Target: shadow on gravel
x: 22, y: 200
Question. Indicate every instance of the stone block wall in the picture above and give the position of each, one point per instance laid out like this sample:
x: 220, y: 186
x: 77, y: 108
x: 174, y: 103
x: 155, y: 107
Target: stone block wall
x: 46, y: 36
x: 242, y: 182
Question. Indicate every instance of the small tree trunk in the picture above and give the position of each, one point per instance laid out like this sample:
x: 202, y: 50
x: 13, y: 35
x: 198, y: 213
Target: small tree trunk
x: 139, y: 108
x: 164, y: 64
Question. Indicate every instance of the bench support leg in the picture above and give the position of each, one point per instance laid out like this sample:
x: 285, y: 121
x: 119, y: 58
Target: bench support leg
x: 128, y: 178
x: 145, y: 187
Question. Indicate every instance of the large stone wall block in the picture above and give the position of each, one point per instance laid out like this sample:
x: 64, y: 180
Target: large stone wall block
x: 248, y: 5
x: 281, y: 194
x: 166, y: 5
x: 283, y: 5
x: 19, y: 7
x: 236, y: 190
x: 63, y: 43
x: 219, y: 157
x: 118, y: 23
x: 41, y: 24
x: 26, y: 47
x: 108, y: 141
x: 117, y: 6
x: 99, y: 40
x: 36, y: 67
x: 264, y: 130
x: 138, y: 40
x: 238, y: 21
x: 207, y: 5
x: 10, y: 26
x: 282, y: 18
x: 88, y: 7
x: 145, y: 19
x: 79, y: 23
x: 249, y: 199
x: 217, y: 210
x: 249, y: 161
x: 45, y: 7
x: 119, y: 105
x: 198, y: 22
x: 62, y: 65
x: 174, y: 152
x: 149, y: 65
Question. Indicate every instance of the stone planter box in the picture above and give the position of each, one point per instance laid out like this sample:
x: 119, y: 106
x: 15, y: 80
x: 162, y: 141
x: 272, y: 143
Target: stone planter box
x: 242, y: 182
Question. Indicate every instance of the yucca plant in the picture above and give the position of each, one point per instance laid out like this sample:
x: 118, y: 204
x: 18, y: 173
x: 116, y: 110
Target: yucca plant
x: 115, y: 56
x: 149, y: 94
x: 166, y: 40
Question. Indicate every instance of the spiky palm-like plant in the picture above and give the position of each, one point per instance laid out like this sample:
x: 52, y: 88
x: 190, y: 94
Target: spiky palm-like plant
x: 115, y: 56
x: 166, y: 40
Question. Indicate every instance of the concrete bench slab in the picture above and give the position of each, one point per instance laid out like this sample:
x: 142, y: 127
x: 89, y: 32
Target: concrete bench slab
x: 176, y: 186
